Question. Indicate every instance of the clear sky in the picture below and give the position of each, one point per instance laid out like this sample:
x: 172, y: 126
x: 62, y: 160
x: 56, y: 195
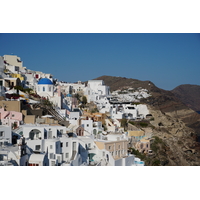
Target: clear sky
x: 167, y: 60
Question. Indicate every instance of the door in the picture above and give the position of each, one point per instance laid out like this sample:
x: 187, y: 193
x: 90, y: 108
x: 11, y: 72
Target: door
x: 74, y: 146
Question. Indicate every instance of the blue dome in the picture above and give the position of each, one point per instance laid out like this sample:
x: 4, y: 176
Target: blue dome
x: 45, y: 81
x: 69, y: 95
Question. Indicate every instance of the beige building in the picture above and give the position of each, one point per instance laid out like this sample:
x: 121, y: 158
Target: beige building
x: 28, y: 119
x: 13, y: 60
x: 11, y: 105
x: 117, y: 148
x: 143, y: 145
x: 94, y: 116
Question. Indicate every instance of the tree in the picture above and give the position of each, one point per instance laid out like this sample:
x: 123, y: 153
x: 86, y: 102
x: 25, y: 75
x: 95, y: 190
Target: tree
x: 84, y: 100
x: 124, y: 123
x: 77, y: 96
x: 28, y: 90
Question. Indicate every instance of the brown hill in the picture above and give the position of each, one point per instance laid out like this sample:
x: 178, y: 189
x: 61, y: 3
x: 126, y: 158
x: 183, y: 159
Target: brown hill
x: 162, y: 100
x: 175, y: 123
x: 118, y: 83
x: 188, y: 94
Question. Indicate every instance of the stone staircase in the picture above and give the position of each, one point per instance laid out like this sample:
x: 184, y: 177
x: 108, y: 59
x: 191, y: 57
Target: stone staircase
x: 51, y: 110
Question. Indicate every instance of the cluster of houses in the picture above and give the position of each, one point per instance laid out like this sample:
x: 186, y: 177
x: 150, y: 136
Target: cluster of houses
x: 34, y: 134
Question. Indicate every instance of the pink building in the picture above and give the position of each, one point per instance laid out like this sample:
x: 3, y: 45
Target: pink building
x: 10, y: 118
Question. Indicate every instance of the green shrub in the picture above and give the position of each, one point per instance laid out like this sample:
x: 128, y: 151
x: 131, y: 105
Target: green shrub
x: 143, y: 124
x: 130, y: 122
x: 156, y: 162
x: 135, y: 103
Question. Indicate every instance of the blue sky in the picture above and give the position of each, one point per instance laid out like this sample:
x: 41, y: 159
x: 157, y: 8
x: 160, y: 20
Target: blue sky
x: 167, y: 60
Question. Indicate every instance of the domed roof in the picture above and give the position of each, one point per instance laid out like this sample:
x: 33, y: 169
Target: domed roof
x: 45, y: 81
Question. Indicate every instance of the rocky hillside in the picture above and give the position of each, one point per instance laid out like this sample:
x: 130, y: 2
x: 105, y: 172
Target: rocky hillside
x: 176, y: 144
x: 188, y: 94
x: 118, y: 83
x: 175, y: 124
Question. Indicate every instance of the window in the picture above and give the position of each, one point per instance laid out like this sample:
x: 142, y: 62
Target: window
x: 49, y: 89
x: 51, y: 156
x: 59, y: 159
x: 51, y: 146
x: 66, y: 144
x: 50, y: 134
x: 74, y: 146
x: 43, y: 89
x: 61, y: 144
x: 1, y: 133
x: 109, y: 147
x: 53, y: 163
x: 89, y: 145
x: 119, y: 146
x: 66, y: 155
x: 37, y: 147
x: 38, y: 88
x: 13, y: 115
x: 103, y: 153
x: 87, y: 125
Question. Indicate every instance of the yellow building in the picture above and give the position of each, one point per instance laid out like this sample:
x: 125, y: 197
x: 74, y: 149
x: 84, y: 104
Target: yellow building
x: 95, y: 116
x: 138, y: 133
x: 18, y: 76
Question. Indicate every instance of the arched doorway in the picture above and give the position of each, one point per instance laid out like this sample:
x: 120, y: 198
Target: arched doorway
x: 35, y: 134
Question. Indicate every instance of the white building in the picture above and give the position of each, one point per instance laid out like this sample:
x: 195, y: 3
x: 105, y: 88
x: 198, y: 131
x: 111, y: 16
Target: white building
x: 5, y: 135
x: 30, y: 81
x: 46, y: 88
x: 95, y: 89
x: 72, y: 88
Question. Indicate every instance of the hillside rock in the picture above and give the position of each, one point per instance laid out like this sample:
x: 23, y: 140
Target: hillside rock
x: 179, y: 146
x: 189, y: 95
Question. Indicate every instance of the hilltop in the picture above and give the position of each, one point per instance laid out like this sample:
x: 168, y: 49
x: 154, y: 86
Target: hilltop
x: 118, y: 83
